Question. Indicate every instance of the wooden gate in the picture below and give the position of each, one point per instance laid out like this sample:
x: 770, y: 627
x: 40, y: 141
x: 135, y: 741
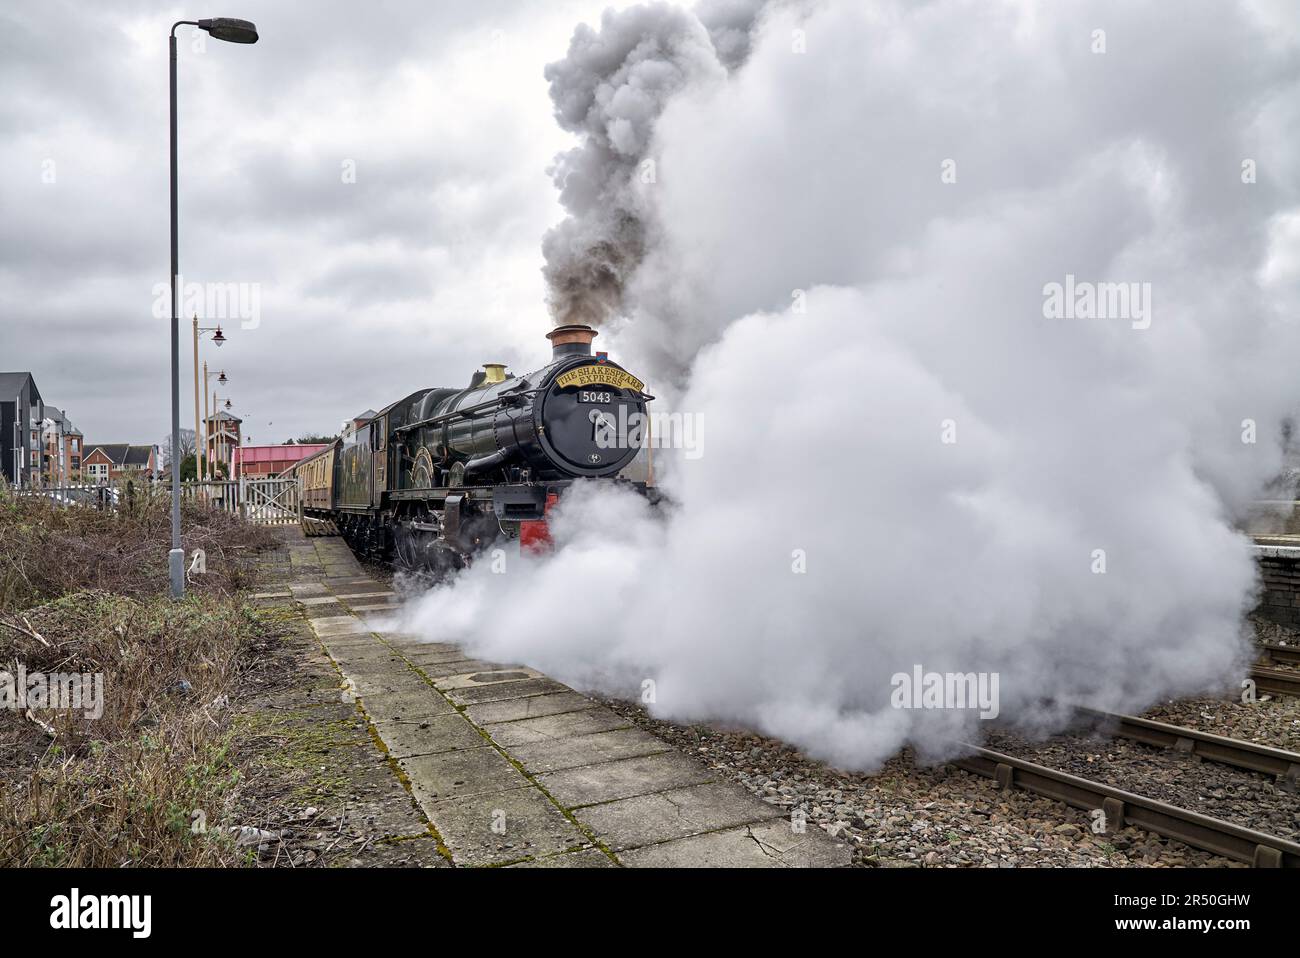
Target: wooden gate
x: 271, y: 502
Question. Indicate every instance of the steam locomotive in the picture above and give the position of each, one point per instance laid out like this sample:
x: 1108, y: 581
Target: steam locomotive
x: 444, y: 472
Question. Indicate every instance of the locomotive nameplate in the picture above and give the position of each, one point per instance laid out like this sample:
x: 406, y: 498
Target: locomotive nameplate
x: 599, y: 375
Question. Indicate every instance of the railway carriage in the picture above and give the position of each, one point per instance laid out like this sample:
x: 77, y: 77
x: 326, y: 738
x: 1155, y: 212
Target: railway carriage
x: 443, y: 472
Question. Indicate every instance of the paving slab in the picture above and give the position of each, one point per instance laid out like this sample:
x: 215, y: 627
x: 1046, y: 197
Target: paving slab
x: 469, y: 680
x: 546, y: 728
x: 471, y: 771
x: 506, y: 690
x: 584, y: 858
x: 431, y: 655
x: 272, y: 595
x: 368, y: 663
x: 358, y: 652
x: 300, y: 589
x: 438, y: 733
x: 625, y: 778
x: 438, y: 670
x: 405, y: 706
x: 415, y: 640
x: 338, y: 625
x: 578, y: 750
x: 318, y: 600
x: 354, y: 640
x: 503, y: 827
x: 768, y: 845
x: 680, y: 813
x: 513, y: 709
x: 389, y: 682
x: 376, y: 622
x: 322, y: 611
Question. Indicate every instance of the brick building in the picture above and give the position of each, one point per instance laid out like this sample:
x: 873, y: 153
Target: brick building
x: 114, y: 461
x: 62, y: 448
x: 224, y: 437
x: 262, y: 461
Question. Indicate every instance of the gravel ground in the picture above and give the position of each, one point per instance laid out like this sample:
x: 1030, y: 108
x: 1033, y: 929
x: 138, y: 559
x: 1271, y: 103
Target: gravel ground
x: 1270, y: 721
x: 908, y: 816
x: 1273, y: 632
x: 1222, y: 791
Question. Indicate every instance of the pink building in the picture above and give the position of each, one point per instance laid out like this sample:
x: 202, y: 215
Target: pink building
x: 263, y: 461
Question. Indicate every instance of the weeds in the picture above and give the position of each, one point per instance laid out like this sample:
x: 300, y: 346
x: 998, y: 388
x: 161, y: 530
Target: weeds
x: 150, y: 781
x: 48, y: 549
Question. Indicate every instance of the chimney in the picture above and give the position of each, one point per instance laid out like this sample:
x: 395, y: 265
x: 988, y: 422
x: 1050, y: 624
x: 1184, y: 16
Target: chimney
x: 571, y: 340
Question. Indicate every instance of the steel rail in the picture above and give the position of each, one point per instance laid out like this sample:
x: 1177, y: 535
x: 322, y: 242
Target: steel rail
x: 1276, y: 681
x: 1205, y: 745
x: 1119, y: 808
x: 1286, y: 654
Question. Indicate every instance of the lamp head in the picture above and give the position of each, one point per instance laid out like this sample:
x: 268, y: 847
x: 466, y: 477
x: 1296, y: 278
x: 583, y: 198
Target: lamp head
x: 230, y: 29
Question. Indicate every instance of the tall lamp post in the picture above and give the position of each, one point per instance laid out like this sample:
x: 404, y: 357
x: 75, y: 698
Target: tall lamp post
x: 234, y: 31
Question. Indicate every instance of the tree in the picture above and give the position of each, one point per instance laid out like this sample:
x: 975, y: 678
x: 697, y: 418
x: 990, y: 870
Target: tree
x: 188, y: 470
x: 188, y: 446
x: 309, y: 440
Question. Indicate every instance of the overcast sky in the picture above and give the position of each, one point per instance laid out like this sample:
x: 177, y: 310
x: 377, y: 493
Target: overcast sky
x: 412, y: 275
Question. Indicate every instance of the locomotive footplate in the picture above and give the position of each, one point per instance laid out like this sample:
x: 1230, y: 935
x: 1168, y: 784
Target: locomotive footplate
x: 519, y: 503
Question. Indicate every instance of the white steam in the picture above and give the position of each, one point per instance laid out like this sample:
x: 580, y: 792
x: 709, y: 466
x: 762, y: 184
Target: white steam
x: 825, y: 412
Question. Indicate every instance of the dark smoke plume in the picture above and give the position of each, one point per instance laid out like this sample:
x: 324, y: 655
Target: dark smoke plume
x: 611, y: 89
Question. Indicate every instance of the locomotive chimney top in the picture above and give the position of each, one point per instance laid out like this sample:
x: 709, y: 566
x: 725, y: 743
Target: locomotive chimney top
x: 573, y: 339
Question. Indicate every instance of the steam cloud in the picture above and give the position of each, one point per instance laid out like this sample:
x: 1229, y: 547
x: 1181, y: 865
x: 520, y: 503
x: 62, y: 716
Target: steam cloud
x: 841, y: 310
x: 611, y: 89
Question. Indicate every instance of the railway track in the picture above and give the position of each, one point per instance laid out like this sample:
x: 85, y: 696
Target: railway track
x: 1119, y: 808
x: 1281, y: 654
x: 1276, y: 681
x: 1284, y: 765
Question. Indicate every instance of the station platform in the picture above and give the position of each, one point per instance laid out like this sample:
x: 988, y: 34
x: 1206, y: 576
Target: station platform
x: 512, y: 768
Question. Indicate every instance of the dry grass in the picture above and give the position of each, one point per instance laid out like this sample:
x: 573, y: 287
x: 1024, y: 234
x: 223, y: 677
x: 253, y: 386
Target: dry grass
x: 48, y: 549
x: 147, y: 783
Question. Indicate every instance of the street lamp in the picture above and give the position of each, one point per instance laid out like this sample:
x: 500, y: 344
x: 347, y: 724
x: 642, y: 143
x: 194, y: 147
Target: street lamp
x: 233, y: 31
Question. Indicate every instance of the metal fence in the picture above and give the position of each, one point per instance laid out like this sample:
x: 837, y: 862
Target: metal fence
x: 266, y: 501
x: 95, y: 495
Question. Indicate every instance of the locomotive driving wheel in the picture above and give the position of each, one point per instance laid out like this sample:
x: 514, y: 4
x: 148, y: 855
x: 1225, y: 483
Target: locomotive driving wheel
x: 419, y: 550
